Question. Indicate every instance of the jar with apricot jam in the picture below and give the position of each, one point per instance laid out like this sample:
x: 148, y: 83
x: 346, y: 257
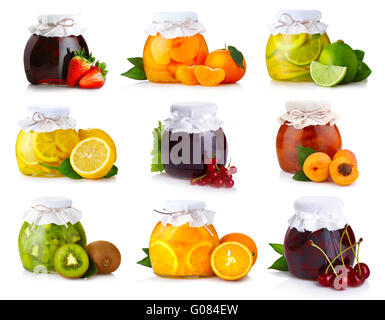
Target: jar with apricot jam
x: 175, y: 39
x: 183, y: 240
x: 309, y: 124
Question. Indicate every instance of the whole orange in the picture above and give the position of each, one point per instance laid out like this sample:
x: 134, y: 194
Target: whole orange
x: 222, y: 59
x: 243, y: 239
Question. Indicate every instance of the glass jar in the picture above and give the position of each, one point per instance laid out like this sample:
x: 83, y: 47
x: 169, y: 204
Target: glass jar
x: 46, y: 138
x: 182, y: 242
x: 49, y: 224
x: 175, y: 39
x: 296, y: 40
x: 309, y: 124
x: 192, y: 136
x: 51, y: 47
x: 318, y: 219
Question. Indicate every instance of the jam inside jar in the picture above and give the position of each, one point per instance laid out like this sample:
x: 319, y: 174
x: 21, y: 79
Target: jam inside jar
x: 317, y: 219
x: 193, y: 136
x: 179, y: 249
x: 172, y: 43
x: 309, y: 124
x: 50, y: 49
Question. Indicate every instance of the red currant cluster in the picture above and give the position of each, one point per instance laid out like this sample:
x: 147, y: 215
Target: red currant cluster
x: 342, y: 276
x: 216, y: 175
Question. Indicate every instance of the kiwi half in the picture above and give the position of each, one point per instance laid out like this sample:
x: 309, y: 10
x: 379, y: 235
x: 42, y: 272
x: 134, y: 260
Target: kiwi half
x: 71, y: 261
x: 105, y: 255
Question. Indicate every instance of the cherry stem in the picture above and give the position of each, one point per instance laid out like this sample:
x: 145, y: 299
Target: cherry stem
x: 327, y: 258
x: 341, y: 253
x: 354, y: 252
x: 342, y: 237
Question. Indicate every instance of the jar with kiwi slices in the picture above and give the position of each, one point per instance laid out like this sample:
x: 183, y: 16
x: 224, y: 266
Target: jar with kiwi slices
x: 50, y: 223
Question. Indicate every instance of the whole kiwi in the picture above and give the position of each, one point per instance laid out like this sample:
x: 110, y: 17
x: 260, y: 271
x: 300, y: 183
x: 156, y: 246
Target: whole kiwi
x: 105, y: 255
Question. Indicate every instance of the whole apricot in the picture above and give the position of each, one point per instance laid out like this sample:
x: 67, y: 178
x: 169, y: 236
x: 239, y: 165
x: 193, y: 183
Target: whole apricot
x: 343, y: 171
x: 316, y: 166
x: 346, y: 153
x: 222, y: 59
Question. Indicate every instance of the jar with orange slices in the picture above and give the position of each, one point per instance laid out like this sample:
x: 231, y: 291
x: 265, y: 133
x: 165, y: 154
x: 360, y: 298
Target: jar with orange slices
x: 183, y: 240
x: 47, y: 137
x: 175, y: 39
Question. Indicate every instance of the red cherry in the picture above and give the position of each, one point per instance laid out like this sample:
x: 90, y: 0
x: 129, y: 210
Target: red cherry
x: 356, y: 278
x: 211, y: 168
x: 364, y: 269
x: 326, y: 279
x: 218, y: 182
x: 233, y: 170
x: 229, y: 183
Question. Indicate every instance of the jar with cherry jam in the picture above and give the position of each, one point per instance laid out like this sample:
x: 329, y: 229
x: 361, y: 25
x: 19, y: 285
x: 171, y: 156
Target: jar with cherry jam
x: 309, y: 124
x: 192, y: 137
x: 51, y: 47
x: 317, y: 219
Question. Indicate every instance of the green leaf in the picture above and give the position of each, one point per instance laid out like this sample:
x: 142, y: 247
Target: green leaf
x: 137, y: 62
x: 92, y: 270
x: 113, y: 172
x: 66, y: 170
x: 48, y: 166
x: 303, y: 153
x: 360, y: 55
x: 146, y: 262
x: 363, y: 72
x: 280, y: 265
x: 146, y: 251
x: 236, y: 55
x: 156, y: 163
x: 277, y: 248
x: 135, y: 73
x: 301, y: 176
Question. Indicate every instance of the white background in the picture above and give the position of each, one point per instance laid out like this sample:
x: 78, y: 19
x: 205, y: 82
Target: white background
x: 120, y: 210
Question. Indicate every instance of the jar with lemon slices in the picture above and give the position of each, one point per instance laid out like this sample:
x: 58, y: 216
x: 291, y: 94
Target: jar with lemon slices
x: 175, y: 39
x: 296, y: 40
x: 47, y: 137
x: 182, y: 242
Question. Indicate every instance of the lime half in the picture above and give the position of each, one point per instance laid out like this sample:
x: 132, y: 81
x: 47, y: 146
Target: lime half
x: 326, y: 76
x: 305, y: 54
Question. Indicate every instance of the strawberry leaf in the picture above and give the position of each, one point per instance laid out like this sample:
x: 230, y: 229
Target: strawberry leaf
x: 156, y: 164
x: 237, y: 56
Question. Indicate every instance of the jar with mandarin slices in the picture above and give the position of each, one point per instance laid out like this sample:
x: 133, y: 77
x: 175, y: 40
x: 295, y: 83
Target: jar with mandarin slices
x: 46, y: 138
x: 175, y: 39
x: 309, y: 124
x: 183, y: 240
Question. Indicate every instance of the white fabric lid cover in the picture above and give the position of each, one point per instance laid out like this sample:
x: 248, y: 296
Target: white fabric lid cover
x: 48, y: 210
x: 47, y: 118
x: 175, y: 24
x: 315, y: 213
x: 193, y: 117
x: 57, y: 25
x: 304, y: 113
x: 298, y: 21
x: 180, y: 212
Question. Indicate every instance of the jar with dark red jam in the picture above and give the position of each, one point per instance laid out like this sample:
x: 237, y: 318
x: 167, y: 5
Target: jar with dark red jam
x: 51, y: 47
x: 192, y: 137
x: 317, y: 219
x: 309, y: 124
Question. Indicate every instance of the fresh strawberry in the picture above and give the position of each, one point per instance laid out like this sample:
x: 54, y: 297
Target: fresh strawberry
x: 78, y: 66
x: 95, y: 77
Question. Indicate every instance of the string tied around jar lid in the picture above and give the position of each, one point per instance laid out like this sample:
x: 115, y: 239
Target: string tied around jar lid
x: 65, y: 22
x: 298, y: 117
x: 61, y: 213
x: 39, y: 117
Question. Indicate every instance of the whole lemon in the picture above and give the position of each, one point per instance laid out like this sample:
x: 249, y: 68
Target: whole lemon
x: 340, y: 54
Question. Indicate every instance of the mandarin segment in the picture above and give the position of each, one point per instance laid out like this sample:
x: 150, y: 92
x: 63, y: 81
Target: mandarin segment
x: 184, y: 49
x: 186, y: 75
x: 207, y: 76
x: 316, y: 167
x: 160, y: 49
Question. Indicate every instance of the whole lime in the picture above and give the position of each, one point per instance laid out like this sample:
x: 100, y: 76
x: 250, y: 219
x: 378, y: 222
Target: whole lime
x: 340, y: 54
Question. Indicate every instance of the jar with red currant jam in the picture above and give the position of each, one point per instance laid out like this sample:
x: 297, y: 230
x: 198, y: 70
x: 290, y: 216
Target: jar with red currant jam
x: 51, y: 47
x: 317, y: 219
x: 309, y: 124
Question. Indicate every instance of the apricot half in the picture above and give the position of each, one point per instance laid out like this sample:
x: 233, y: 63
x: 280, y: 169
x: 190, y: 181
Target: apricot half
x: 207, y: 76
x: 346, y: 153
x: 343, y: 171
x: 186, y: 75
x: 316, y: 166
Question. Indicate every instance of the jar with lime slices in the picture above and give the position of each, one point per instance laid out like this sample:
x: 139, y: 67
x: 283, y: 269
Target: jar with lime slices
x: 47, y: 137
x: 296, y: 40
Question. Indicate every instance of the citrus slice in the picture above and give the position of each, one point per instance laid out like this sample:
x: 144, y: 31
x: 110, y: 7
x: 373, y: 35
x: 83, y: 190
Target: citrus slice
x: 198, y: 258
x: 66, y: 140
x: 231, y: 260
x: 327, y: 76
x: 98, y: 133
x: 92, y: 158
x: 23, y: 149
x: 287, y: 42
x: 44, y: 146
x: 305, y: 54
x: 163, y: 258
x: 185, y: 234
x: 244, y: 239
